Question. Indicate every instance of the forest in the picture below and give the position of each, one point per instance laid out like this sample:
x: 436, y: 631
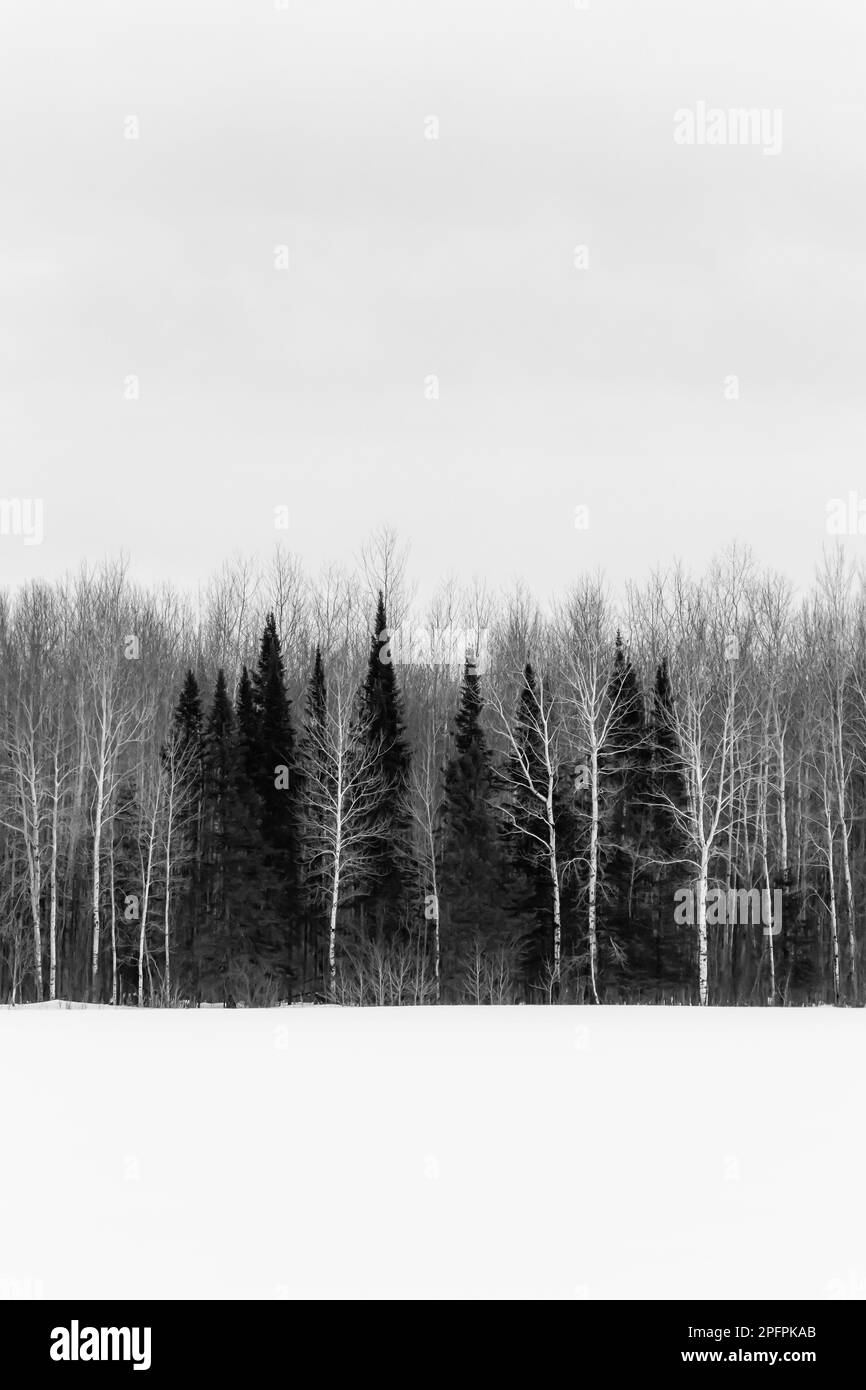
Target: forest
x: 287, y: 788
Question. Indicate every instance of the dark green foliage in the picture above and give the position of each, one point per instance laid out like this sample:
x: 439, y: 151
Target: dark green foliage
x: 188, y: 713
x: 240, y: 910
x: 275, y: 749
x: 387, y: 907
x: 264, y: 716
x: 188, y: 731
x: 477, y: 885
x: 626, y: 946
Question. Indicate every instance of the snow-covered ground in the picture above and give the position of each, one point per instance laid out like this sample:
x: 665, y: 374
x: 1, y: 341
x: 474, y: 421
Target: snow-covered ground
x: 562, y: 1152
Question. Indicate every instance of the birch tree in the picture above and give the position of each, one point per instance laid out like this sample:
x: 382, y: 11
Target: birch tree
x: 707, y: 721
x: 592, y: 702
x: 343, y: 794
x: 116, y: 720
x: 533, y: 741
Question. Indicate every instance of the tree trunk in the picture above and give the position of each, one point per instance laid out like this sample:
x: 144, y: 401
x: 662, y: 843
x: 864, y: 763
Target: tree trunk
x: 52, y: 911
x: 703, y: 980
x: 167, y: 923
x: 113, y: 920
x: 834, y: 933
x: 332, y: 933
x: 592, y: 887
x: 146, y: 899
x: 97, y: 847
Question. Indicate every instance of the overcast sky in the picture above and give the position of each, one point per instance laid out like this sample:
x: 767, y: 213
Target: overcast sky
x: 606, y: 385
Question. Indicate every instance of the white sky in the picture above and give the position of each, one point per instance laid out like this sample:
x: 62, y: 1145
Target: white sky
x: 411, y: 257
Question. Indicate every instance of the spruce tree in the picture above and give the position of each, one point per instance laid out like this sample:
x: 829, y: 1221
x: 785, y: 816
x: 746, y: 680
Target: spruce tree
x: 276, y: 744
x: 477, y: 894
x: 237, y: 890
x: 248, y: 727
x: 188, y: 713
x: 624, y: 757
x: 188, y: 730
x: 317, y: 694
x: 277, y: 783
x: 214, y: 947
x: 386, y: 906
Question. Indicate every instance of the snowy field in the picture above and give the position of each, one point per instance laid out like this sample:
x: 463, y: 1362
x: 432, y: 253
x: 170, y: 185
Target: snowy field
x: 524, y: 1152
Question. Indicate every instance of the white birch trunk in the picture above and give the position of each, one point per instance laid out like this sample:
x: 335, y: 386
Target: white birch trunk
x: 146, y: 898
x: 703, y: 973
x: 332, y: 932
x: 768, y: 935
x: 99, y: 811
x: 113, y: 920
x: 783, y: 813
x: 167, y: 921
x: 52, y: 911
x: 592, y: 887
x: 849, y: 887
x: 834, y: 933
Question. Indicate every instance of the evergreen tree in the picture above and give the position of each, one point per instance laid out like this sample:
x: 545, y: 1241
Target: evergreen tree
x: 317, y: 693
x: 478, y: 910
x: 663, y: 738
x: 188, y: 731
x: 624, y: 758
x: 218, y: 763
x: 248, y: 727
x: 270, y: 732
x: 276, y: 742
x: 237, y: 890
x: 188, y: 713
x: 386, y: 906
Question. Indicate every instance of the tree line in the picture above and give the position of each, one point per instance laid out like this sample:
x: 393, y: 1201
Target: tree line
x: 292, y: 789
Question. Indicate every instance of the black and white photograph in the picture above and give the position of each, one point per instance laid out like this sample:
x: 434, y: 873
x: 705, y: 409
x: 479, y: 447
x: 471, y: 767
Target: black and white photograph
x: 432, y: 670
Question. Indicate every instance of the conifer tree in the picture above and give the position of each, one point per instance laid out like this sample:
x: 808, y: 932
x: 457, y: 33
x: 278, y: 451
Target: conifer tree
x: 248, y: 736
x: 478, y: 910
x: 188, y: 712
x: 386, y: 907
x: 188, y: 731
x: 239, y: 900
x: 218, y: 762
x: 624, y: 757
x: 317, y: 702
x: 277, y: 783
